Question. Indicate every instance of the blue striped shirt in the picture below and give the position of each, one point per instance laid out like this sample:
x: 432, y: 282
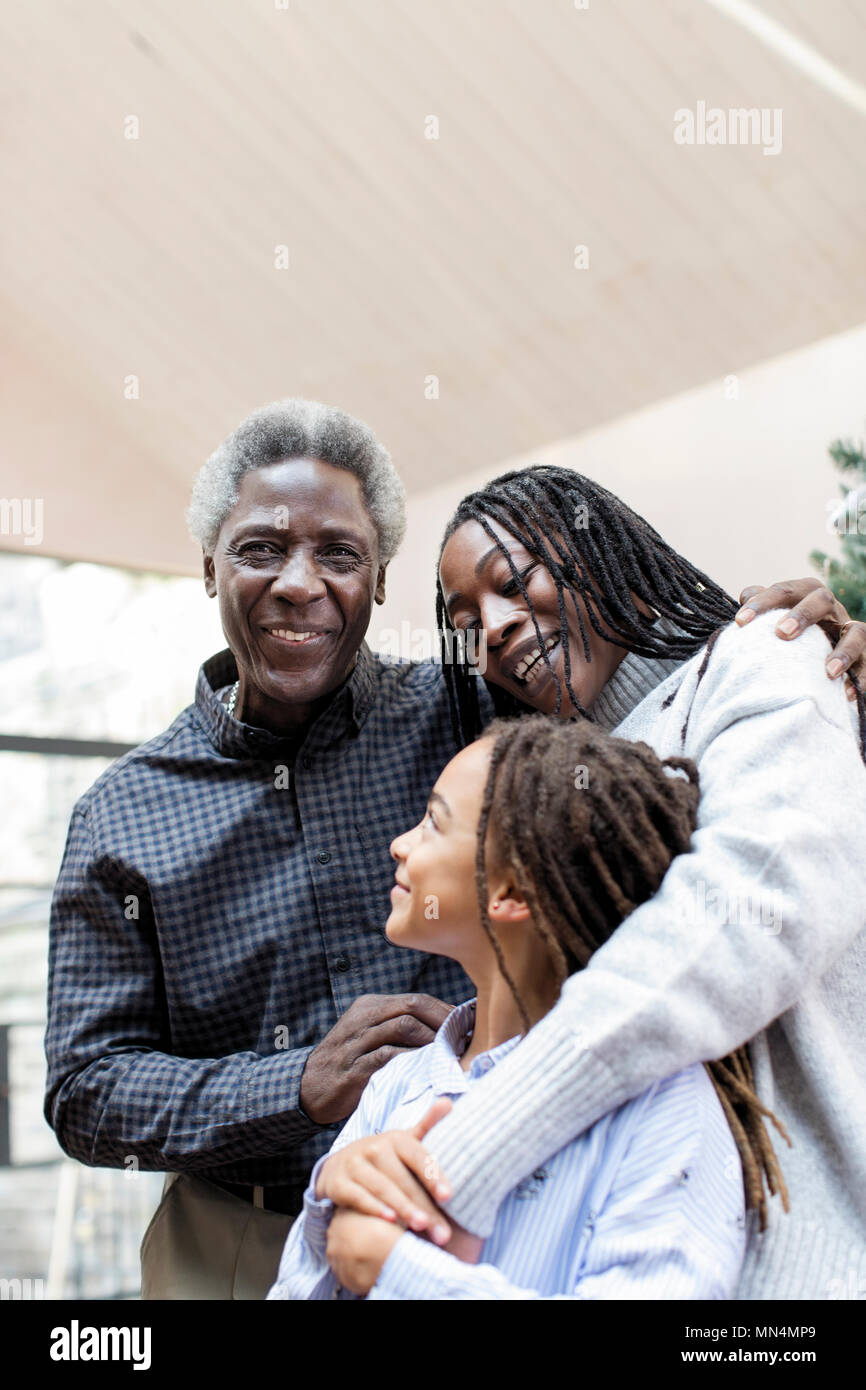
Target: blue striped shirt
x: 646, y: 1204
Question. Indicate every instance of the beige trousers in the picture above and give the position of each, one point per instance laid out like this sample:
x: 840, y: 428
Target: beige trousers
x: 204, y: 1243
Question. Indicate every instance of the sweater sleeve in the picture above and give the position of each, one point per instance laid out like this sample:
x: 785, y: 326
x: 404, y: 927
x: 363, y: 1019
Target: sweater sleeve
x: 768, y: 897
x: 670, y: 1225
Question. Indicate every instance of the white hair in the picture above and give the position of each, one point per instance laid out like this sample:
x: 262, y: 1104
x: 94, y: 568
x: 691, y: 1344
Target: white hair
x: 298, y: 428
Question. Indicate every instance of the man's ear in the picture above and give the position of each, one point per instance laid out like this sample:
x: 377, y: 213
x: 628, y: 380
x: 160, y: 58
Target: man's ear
x: 379, y: 595
x: 209, y: 575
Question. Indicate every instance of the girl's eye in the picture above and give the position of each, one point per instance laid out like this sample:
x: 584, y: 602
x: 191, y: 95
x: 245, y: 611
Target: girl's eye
x: 428, y: 822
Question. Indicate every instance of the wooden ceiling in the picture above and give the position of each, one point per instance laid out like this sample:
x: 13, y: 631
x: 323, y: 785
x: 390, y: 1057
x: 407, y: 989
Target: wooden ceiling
x: 306, y: 127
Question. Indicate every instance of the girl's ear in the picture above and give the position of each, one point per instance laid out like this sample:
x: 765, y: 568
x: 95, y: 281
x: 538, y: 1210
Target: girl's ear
x: 507, y: 903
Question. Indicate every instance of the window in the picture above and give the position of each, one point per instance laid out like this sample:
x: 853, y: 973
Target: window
x: 92, y: 660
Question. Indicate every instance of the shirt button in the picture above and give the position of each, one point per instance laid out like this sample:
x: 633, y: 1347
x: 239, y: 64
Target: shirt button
x: 342, y: 963
x: 323, y: 856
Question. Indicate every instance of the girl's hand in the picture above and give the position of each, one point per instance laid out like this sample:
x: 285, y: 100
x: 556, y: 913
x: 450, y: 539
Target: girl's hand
x: 358, y: 1247
x: 391, y: 1176
x: 811, y: 602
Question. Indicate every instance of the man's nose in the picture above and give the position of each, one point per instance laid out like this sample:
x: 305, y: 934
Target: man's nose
x: 299, y: 580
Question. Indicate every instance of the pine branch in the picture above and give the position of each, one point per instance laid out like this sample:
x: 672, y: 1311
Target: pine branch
x: 848, y: 456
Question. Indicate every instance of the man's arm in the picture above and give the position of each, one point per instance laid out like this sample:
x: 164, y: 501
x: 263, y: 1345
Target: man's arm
x: 783, y: 820
x: 115, y: 1090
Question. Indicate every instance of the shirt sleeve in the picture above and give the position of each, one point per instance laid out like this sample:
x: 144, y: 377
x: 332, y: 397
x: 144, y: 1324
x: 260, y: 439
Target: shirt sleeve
x: 782, y: 821
x: 671, y: 1224
x: 304, y: 1271
x: 114, y: 1090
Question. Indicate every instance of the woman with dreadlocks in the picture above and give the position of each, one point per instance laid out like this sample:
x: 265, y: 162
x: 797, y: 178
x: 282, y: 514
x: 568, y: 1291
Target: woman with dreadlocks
x: 756, y: 932
x: 531, y: 868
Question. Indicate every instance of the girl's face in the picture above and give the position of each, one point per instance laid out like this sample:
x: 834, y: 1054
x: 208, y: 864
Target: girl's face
x: 434, y: 901
x: 481, y: 593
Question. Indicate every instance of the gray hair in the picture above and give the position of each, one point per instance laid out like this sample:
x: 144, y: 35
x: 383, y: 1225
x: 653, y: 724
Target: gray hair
x: 297, y: 428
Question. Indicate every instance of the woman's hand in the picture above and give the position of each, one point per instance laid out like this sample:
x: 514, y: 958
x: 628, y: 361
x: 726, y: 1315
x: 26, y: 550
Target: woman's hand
x: 811, y: 602
x: 392, y: 1177
x: 358, y: 1247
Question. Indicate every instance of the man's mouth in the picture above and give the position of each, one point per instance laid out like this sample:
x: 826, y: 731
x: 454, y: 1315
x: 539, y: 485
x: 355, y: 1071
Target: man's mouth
x: 291, y: 638
x: 530, y: 667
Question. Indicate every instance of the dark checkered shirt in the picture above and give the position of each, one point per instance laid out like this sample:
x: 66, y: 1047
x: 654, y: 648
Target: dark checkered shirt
x: 221, y: 902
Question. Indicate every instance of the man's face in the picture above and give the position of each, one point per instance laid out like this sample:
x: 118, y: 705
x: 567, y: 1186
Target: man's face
x: 296, y: 570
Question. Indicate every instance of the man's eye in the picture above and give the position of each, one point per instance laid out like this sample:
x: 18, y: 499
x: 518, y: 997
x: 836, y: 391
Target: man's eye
x: 342, y: 553
x: 257, y: 549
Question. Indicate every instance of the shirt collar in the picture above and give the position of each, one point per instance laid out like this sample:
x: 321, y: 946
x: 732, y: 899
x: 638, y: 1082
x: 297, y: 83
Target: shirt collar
x: 348, y: 708
x: 445, y: 1075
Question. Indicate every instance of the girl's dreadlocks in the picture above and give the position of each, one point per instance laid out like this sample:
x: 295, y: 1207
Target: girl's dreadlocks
x: 589, y: 824
x: 595, y: 548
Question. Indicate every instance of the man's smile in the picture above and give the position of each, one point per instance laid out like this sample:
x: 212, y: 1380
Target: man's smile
x: 289, y: 637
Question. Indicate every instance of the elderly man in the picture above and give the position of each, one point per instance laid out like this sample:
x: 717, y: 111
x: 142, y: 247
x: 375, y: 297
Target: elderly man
x: 220, y: 985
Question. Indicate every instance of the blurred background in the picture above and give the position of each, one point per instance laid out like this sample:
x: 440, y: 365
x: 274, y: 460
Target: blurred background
x: 473, y: 225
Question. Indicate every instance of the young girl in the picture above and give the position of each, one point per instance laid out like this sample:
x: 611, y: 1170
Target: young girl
x: 538, y: 840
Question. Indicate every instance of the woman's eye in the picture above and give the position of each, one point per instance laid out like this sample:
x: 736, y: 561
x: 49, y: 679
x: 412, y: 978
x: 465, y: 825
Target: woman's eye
x: 428, y: 822
x: 510, y: 587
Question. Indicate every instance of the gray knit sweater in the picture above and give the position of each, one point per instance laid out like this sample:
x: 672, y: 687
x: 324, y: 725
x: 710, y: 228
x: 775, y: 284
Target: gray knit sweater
x: 763, y: 920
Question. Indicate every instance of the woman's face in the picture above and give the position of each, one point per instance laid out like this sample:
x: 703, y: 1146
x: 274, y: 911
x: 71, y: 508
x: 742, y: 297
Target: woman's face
x: 434, y: 901
x: 481, y: 593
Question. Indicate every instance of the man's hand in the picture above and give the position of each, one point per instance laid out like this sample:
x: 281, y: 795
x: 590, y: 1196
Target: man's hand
x: 811, y: 602
x: 358, y: 1247
x: 373, y: 1029
x: 391, y: 1176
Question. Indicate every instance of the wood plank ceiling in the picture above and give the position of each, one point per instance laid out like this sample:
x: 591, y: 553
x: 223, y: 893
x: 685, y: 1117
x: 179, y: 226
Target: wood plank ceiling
x: 409, y: 257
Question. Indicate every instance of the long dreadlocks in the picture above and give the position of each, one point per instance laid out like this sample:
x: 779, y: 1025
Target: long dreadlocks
x: 598, y: 549
x: 586, y: 854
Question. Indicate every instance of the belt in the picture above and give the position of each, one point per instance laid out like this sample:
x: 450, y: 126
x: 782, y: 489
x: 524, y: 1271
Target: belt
x: 284, y: 1200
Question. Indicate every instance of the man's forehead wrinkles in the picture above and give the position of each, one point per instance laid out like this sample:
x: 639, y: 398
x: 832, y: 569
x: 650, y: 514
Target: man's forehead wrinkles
x: 262, y: 519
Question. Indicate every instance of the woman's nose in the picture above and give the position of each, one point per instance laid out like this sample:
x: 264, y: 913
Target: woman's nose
x: 499, y: 618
